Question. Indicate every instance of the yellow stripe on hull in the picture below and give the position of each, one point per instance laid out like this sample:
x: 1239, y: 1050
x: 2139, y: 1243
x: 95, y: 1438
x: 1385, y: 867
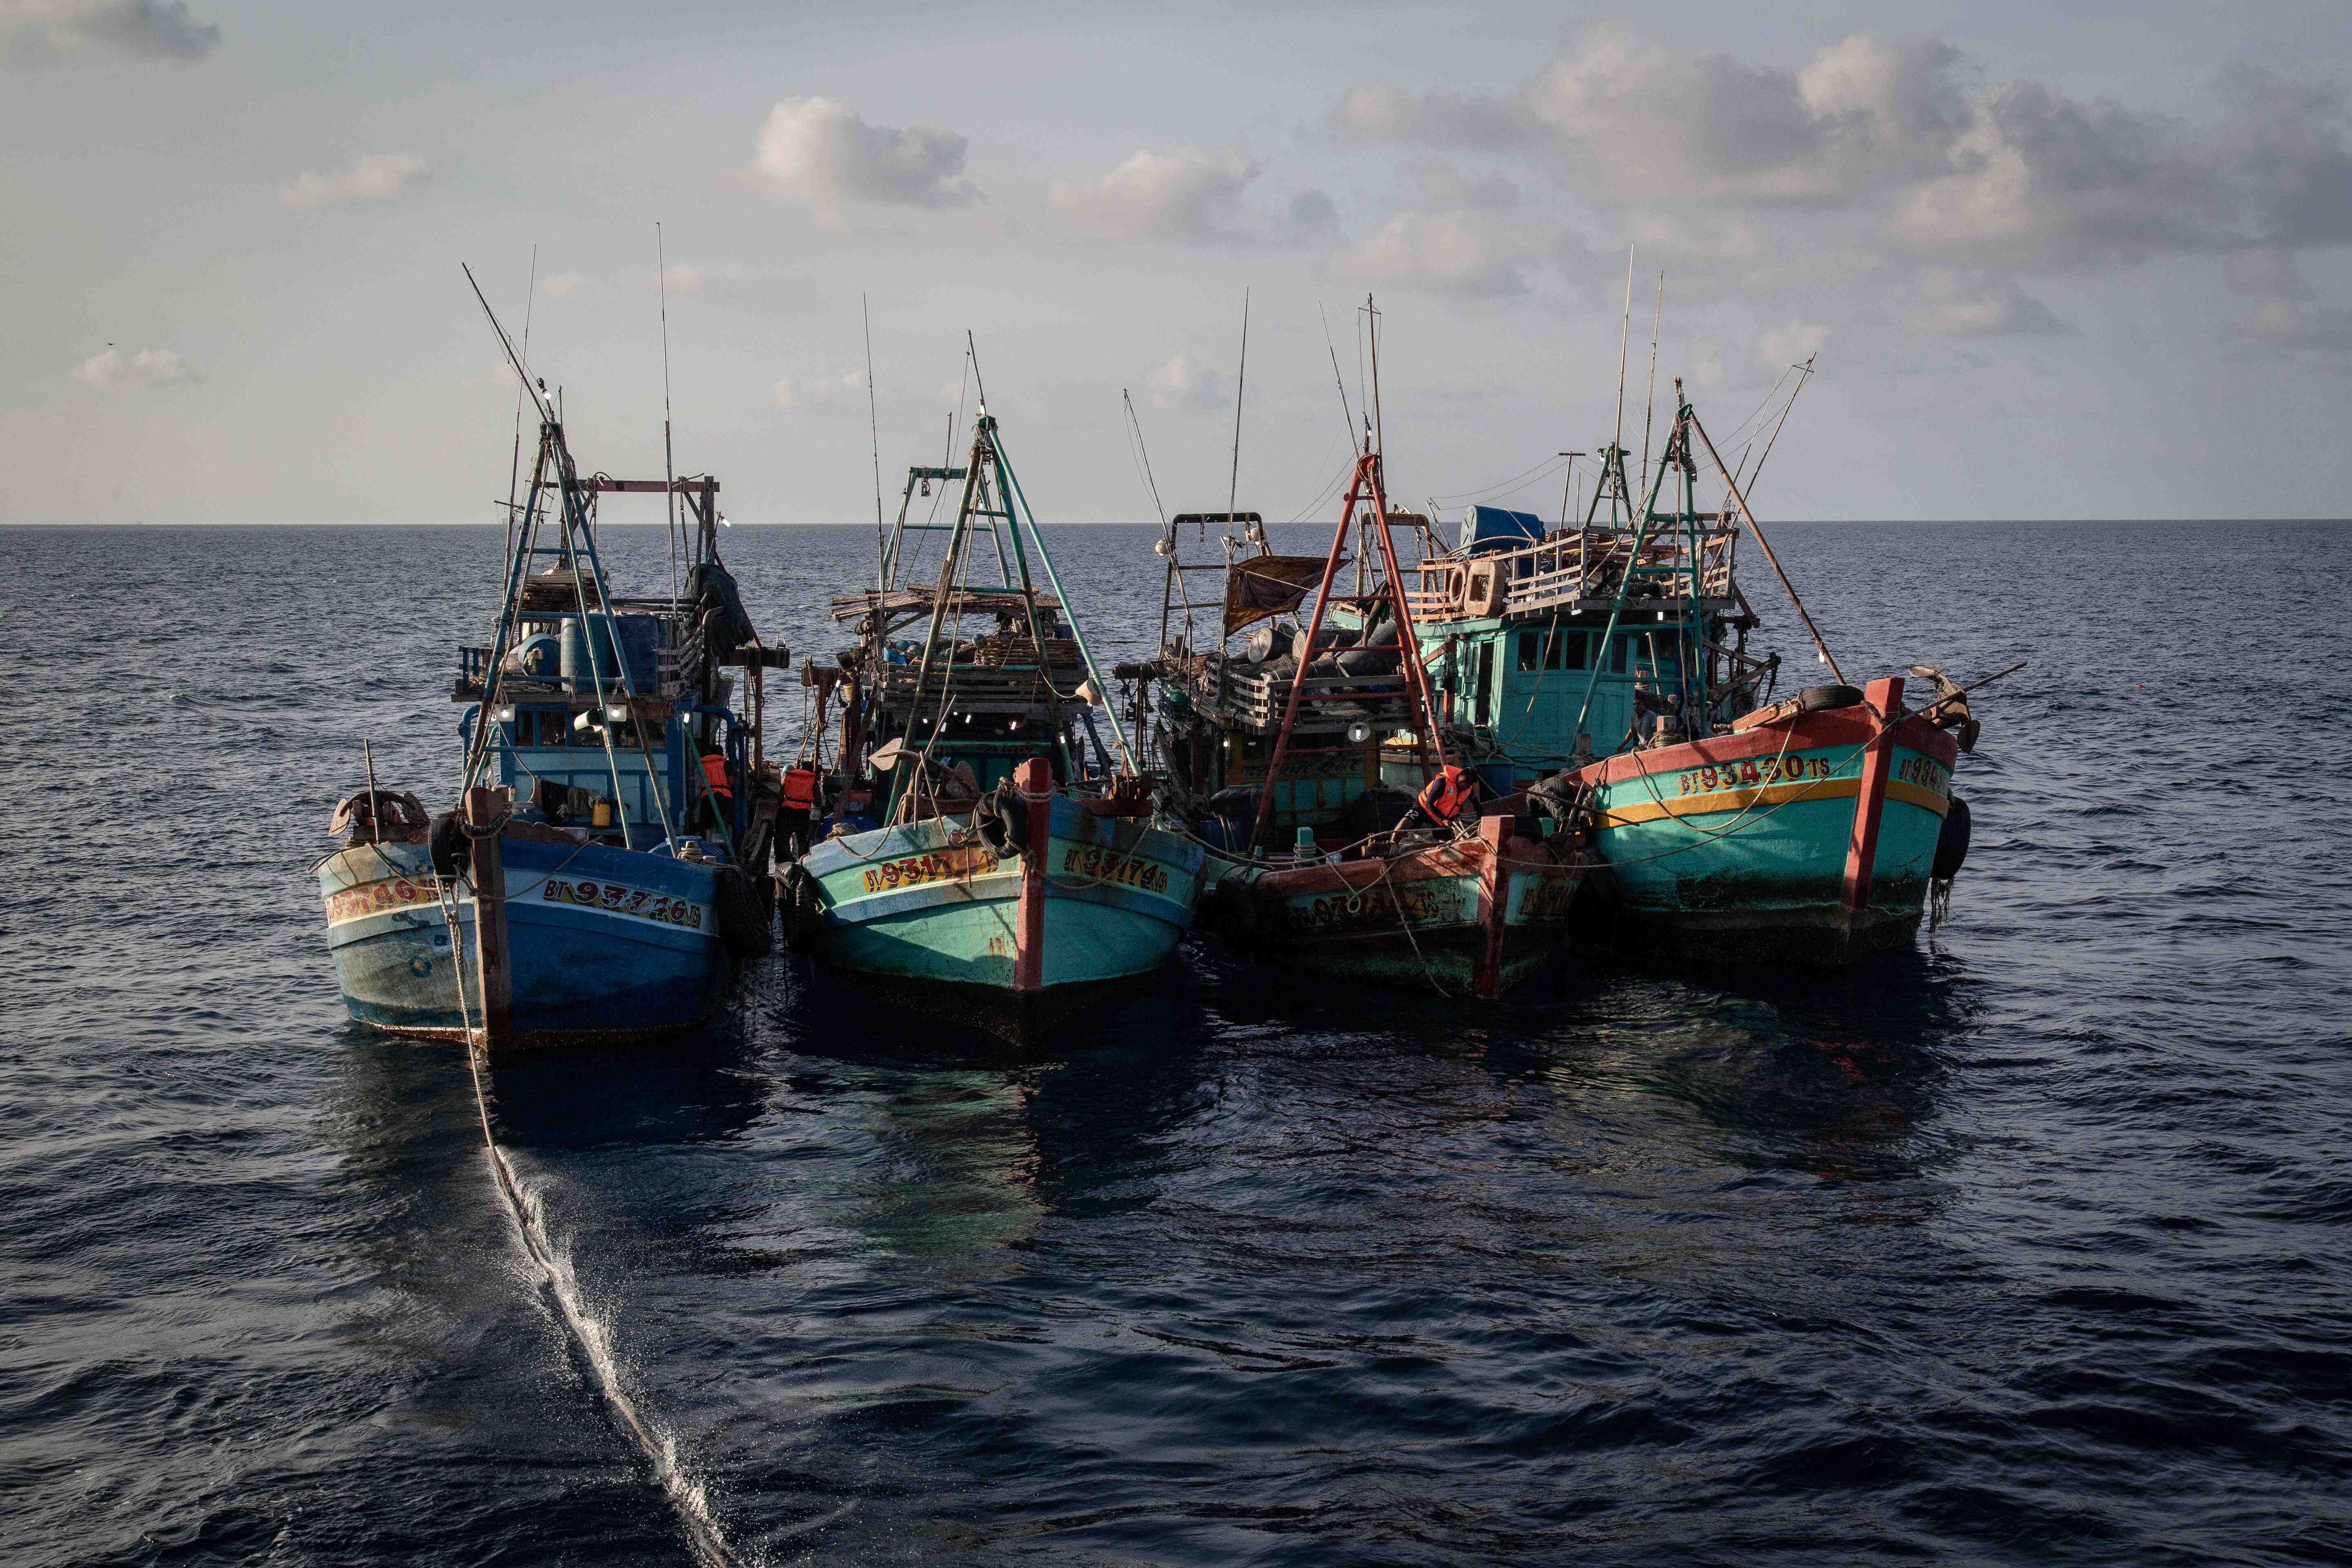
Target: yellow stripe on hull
x: 1723, y: 800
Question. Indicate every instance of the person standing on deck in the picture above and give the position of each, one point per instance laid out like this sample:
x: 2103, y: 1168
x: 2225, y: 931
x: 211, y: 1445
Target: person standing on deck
x: 1448, y: 792
x: 799, y: 806
x: 720, y: 801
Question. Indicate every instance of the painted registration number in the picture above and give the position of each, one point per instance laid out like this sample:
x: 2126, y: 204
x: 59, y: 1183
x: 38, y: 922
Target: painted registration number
x: 940, y: 866
x: 615, y: 898
x: 1110, y: 865
x: 1749, y: 773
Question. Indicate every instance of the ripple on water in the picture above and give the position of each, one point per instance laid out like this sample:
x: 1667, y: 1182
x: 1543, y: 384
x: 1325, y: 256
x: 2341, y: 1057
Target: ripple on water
x: 2023, y: 1246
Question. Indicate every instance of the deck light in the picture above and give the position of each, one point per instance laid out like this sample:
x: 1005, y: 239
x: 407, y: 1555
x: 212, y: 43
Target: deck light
x: 618, y: 715
x: 1359, y: 733
x: 504, y: 716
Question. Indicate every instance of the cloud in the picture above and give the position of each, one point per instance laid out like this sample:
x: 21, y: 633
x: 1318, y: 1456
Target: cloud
x: 2269, y: 272
x: 146, y: 367
x: 2285, y: 150
x: 823, y: 154
x: 374, y: 177
x: 820, y: 393
x: 1984, y: 307
x: 1312, y: 215
x: 1790, y: 344
x: 1904, y: 137
x: 148, y: 29
x: 1187, y: 195
x: 683, y: 277
x: 1376, y: 112
x: 1432, y: 183
x: 1469, y: 254
x: 1187, y: 385
x: 2291, y: 324
x: 1645, y: 123
x: 2043, y: 182
x: 564, y: 286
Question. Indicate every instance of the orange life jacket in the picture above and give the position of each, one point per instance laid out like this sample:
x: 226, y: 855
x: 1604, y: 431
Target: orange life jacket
x: 1444, y: 796
x: 800, y: 788
x: 714, y: 772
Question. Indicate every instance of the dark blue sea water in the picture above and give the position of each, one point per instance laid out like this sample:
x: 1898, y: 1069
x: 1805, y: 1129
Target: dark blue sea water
x: 2028, y: 1247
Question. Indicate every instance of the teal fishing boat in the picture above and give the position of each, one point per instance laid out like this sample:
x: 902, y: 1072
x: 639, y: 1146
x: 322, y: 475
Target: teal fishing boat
x: 1816, y: 828
x: 606, y: 868
x: 1303, y: 743
x: 984, y: 851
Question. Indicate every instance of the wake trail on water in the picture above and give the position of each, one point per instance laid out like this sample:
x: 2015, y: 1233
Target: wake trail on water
x: 685, y: 1494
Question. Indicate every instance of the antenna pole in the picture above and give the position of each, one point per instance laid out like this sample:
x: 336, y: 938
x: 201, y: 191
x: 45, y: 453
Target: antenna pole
x: 1624, y: 337
x: 979, y: 384
x: 873, y: 433
x: 1241, y: 384
x: 1650, y: 394
x: 1807, y: 369
x: 1346, y: 414
x: 514, y: 463
x: 669, y: 463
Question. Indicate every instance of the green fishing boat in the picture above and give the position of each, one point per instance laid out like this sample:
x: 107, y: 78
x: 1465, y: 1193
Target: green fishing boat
x: 1817, y: 828
x: 985, y: 852
x: 1302, y: 742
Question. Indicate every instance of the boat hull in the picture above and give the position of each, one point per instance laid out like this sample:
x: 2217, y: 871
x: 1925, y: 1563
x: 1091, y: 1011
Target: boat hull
x: 1808, y: 839
x: 605, y: 944
x: 937, y: 918
x: 1468, y: 917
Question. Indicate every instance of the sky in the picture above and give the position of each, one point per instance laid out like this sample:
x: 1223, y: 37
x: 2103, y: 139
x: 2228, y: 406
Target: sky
x: 2049, y: 261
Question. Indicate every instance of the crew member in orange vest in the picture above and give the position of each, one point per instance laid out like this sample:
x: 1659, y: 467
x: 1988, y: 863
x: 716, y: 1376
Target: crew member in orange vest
x: 721, y: 801
x: 799, y: 806
x: 1444, y: 797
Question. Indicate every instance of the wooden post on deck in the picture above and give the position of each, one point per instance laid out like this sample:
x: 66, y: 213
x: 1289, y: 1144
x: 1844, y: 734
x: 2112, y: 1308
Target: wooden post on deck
x: 1034, y: 780
x: 1870, y: 801
x: 1494, y: 903
x: 491, y: 968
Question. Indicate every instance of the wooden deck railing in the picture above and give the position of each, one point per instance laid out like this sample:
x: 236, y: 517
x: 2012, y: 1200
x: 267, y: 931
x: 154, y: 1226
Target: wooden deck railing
x: 1564, y: 569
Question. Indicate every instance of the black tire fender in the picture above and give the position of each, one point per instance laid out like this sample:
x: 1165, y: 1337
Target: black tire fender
x: 735, y: 907
x: 1001, y: 818
x: 804, y: 909
x: 1814, y: 698
x: 451, y: 854
x: 1952, y: 842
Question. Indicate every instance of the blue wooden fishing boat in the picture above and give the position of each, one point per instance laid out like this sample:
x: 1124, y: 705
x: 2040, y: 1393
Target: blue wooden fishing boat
x: 984, y: 852
x: 1299, y: 752
x: 1816, y: 828
x: 617, y: 814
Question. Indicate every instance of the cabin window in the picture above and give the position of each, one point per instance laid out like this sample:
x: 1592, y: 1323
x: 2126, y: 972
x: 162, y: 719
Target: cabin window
x: 1617, y: 653
x: 1531, y: 650
x: 1566, y: 650
x: 1485, y: 682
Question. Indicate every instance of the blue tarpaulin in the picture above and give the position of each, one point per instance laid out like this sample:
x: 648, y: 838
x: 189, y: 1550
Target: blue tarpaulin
x: 1492, y: 528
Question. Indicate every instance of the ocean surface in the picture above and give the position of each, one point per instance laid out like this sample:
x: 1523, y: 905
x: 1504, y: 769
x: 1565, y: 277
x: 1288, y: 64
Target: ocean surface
x: 2033, y: 1244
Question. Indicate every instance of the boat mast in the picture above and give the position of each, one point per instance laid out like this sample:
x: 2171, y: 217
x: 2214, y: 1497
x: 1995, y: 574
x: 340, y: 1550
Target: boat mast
x: 1018, y: 511
x: 1369, y: 485
x: 574, y: 516
x: 1617, y: 607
